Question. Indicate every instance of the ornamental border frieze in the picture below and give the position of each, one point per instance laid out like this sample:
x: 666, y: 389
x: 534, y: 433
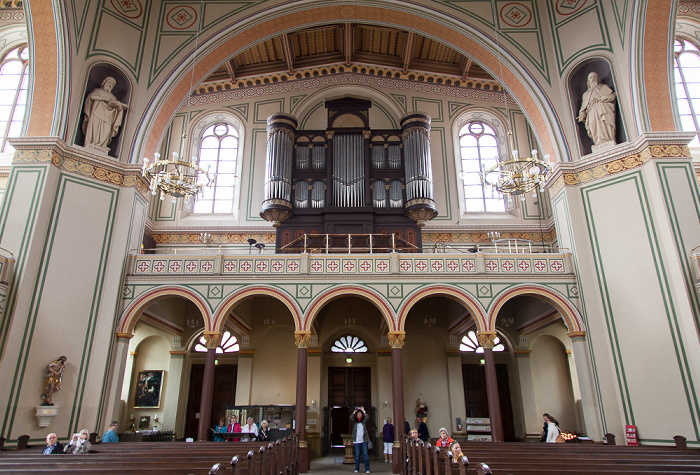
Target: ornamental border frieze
x: 614, y: 165
x: 83, y: 167
x: 224, y: 238
x: 349, y: 79
x: 483, y: 237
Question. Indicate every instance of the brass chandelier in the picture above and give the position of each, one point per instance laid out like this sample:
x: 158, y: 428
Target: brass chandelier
x: 517, y: 175
x: 176, y: 177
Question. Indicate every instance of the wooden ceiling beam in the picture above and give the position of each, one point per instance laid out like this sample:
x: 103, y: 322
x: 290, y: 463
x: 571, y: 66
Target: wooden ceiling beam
x: 231, y: 68
x: 287, y: 52
x: 407, y: 53
x: 466, y: 66
x: 348, y: 42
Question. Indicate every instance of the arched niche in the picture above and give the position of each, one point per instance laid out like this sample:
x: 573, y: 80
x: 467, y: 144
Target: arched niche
x: 578, y: 84
x: 121, y: 90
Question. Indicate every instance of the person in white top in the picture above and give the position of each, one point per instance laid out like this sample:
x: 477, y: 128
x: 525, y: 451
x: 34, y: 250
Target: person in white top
x: 552, y: 429
x: 249, y: 428
x: 360, y: 437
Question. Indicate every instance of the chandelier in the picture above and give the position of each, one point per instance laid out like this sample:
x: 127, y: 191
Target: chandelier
x: 176, y: 177
x: 517, y: 175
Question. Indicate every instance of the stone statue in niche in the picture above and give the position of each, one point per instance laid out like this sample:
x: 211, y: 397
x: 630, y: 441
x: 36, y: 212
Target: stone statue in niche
x: 53, y: 375
x: 598, y: 111
x: 103, y: 116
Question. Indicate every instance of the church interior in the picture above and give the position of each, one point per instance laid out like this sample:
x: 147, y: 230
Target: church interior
x: 474, y: 212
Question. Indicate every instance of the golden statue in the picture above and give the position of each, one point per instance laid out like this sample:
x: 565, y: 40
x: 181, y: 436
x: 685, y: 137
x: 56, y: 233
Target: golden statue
x: 54, y: 372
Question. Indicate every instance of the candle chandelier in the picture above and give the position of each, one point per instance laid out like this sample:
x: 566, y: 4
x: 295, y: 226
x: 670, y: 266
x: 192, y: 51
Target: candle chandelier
x: 515, y: 175
x: 178, y: 177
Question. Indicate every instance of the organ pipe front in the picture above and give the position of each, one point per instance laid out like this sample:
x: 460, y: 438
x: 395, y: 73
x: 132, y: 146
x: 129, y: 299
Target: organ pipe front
x: 415, y: 132
x: 277, y: 205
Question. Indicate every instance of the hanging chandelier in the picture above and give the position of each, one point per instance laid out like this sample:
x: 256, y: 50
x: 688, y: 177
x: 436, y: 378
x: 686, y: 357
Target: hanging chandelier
x: 517, y: 175
x: 176, y: 177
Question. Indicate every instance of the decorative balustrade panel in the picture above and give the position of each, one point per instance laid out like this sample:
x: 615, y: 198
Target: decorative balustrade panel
x: 432, y: 265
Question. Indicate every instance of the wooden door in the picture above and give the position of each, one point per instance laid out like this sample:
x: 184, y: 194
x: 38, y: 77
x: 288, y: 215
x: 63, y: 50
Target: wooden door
x: 224, y: 395
x: 475, y: 398
x: 347, y: 388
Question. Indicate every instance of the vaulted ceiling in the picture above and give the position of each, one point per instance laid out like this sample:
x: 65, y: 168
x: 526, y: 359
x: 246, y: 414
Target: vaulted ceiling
x: 349, y: 44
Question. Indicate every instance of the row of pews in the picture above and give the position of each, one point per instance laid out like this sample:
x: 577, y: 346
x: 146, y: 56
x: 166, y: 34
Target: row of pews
x: 242, y: 458
x: 547, y: 459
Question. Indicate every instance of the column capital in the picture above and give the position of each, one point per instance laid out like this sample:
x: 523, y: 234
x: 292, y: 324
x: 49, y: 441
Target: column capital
x: 396, y: 340
x: 576, y: 335
x: 212, y: 339
x: 302, y: 339
x: 486, y: 339
x: 127, y: 336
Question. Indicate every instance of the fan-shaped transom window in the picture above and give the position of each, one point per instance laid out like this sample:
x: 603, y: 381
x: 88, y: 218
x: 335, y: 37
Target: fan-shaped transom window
x: 349, y: 344
x: 471, y: 343
x: 687, y: 74
x: 229, y: 344
x: 13, y: 94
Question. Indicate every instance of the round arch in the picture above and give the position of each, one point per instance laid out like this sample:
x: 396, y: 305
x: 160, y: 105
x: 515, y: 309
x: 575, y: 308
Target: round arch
x: 572, y: 317
x: 354, y: 291
x: 475, y: 307
x: 227, y: 304
x: 131, y: 313
x: 524, y: 89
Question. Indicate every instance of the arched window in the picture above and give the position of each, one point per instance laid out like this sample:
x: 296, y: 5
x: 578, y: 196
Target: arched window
x: 349, y: 344
x: 471, y: 343
x: 218, y: 152
x: 478, y: 151
x: 687, y: 74
x: 229, y: 344
x: 13, y: 94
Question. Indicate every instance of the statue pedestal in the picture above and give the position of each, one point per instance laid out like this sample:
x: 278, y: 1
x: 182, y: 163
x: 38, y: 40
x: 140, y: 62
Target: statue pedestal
x: 95, y: 148
x: 602, y: 146
x: 44, y: 414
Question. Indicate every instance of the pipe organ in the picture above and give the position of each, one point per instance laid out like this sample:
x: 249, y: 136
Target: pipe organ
x: 348, y: 179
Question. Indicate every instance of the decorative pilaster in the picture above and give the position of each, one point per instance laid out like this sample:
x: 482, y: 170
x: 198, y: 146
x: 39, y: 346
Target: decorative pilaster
x: 487, y: 342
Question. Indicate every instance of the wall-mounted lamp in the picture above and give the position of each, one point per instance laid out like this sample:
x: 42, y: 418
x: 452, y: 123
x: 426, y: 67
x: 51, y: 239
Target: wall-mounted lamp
x: 155, y: 418
x: 430, y: 321
x: 205, y: 237
x: 386, y: 403
x: 313, y: 403
x: 251, y: 242
x: 348, y: 360
x: 132, y: 417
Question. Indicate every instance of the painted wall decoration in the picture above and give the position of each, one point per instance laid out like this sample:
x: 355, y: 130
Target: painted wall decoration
x: 148, y: 388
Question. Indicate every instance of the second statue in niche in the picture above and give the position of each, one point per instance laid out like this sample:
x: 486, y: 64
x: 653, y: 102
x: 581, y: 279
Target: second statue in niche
x: 598, y: 111
x: 103, y: 116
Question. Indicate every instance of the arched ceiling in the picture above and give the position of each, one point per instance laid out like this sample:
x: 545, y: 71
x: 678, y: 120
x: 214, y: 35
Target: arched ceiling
x: 348, y: 44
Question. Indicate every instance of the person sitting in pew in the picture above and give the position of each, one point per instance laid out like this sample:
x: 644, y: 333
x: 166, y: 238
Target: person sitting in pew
x: 79, y: 444
x: 110, y: 434
x: 53, y: 446
x: 250, y: 428
x: 220, y: 428
x: 264, y: 431
x: 445, y: 440
x: 456, y: 450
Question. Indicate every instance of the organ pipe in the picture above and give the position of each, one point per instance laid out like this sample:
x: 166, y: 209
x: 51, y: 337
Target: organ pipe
x: 415, y: 131
x: 278, y: 168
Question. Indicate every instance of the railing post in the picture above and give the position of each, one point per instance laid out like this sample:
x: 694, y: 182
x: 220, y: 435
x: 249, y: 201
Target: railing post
x: 371, y: 239
x: 680, y: 442
x: 305, y: 242
x: 349, y: 243
x: 393, y: 242
x: 610, y: 438
x: 328, y: 240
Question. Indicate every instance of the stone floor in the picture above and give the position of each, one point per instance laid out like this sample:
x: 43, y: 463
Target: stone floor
x: 333, y: 464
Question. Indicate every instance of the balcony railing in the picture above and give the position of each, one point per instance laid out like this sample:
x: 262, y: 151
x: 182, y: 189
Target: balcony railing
x: 348, y: 244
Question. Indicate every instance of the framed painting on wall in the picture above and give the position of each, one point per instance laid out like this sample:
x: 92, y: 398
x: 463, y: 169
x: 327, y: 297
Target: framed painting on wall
x: 148, y: 386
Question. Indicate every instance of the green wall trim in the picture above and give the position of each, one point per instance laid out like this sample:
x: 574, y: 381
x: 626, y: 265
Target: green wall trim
x: 674, y: 329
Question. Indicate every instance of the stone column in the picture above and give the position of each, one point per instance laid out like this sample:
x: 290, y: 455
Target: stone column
x: 302, y: 341
x: 396, y: 342
x: 212, y: 341
x: 486, y: 340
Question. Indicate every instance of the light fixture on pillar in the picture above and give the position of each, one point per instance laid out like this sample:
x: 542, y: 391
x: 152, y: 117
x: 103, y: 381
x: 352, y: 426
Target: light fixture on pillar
x: 514, y: 175
x: 177, y: 176
x: 204, y: 237
x: 429, y: 321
